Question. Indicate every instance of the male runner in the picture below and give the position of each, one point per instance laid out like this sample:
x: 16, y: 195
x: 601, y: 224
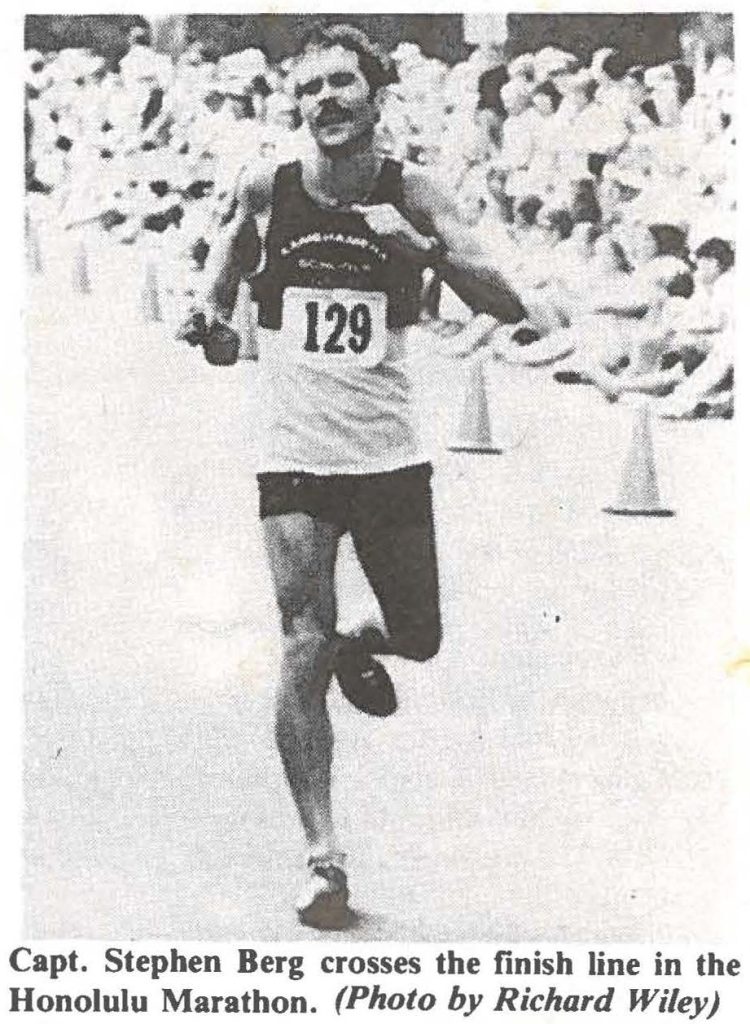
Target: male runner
x: 349, y: 234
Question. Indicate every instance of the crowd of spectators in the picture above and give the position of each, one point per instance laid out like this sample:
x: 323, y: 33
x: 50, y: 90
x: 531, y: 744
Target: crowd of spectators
x: 606, y: 191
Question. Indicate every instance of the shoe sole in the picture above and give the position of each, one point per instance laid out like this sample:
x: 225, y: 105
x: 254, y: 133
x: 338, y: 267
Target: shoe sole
x: 357, y: 700
x: 384, y: 702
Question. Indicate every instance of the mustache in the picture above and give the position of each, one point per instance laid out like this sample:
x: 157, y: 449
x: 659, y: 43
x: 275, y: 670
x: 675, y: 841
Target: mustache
x: 330, y: 110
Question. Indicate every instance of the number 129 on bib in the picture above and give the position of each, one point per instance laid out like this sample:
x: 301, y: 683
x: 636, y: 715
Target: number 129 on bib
x: 334, y: 328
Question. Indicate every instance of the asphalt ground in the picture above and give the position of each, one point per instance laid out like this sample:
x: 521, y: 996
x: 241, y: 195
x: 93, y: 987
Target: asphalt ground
x: 564, y: 769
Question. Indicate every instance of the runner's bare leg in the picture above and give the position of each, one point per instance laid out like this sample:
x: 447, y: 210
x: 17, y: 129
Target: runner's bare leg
x: 302, y: 554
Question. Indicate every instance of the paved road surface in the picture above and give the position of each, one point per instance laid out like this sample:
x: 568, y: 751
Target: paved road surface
x: 562, y: 770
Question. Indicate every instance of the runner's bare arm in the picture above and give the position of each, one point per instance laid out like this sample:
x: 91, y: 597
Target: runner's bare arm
x: 235, y: 249
x: 463, y: 262
x: 433, y: 232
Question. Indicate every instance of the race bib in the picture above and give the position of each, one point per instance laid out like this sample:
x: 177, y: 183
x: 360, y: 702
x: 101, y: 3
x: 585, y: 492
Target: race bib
x: 333, y: 327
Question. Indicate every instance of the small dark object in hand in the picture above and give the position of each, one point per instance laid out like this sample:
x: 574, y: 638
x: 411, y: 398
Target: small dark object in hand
x: 221, y: 345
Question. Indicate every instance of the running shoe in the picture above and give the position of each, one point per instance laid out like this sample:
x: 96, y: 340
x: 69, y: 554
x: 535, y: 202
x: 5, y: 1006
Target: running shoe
x: 366, y: 684
x: 324, y: 903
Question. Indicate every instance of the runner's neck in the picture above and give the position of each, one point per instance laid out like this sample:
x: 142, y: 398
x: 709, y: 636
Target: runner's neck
x: 341, y: 179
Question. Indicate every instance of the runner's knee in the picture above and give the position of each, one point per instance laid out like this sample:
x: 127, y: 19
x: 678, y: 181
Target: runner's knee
x: 308, y: 645
x: 308, y: 648
x: 305, y: 609
x: 419, y: 644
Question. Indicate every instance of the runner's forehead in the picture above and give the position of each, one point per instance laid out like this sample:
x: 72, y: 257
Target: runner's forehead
x: 323, y: 63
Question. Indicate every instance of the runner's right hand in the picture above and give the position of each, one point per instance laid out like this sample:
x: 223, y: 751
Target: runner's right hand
x: 220, y: 342
x: 194, y: 329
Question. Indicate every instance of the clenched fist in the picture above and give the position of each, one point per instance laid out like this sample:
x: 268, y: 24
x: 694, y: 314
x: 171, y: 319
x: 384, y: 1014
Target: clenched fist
x: 221, y: 344
x: 194, y: 328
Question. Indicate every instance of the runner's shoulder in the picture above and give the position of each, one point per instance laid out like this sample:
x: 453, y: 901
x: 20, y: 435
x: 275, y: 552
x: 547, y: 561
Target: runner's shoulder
x: 424, y: 196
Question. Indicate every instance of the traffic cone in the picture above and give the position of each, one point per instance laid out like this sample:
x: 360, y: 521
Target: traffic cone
x: 81, y: 276
x: 474, y: 431
x: 639, y: 491
x: 150, y: 304
x: 244, y: 322
x: 33, y: 247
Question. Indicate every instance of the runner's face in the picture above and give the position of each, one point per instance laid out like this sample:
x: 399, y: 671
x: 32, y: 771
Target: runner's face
x: 334, y: 97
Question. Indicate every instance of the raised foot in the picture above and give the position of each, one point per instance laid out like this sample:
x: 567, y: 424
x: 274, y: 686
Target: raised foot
x: 366, y: 684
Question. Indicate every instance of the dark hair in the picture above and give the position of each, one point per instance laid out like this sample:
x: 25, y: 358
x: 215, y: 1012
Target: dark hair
x: 548, y: 89
x: 507, y: 208
x: 619, y: 254
x: 648, y: 107
x: 562, y: 222
x: 260, y: 86
x: 595, y: 163
x: 489, y: 86
x: 528, y: 209
x: 593, y: 231
x: 377, y: 67
x: 585, y: 205
x: 681, y: 285
x: 685, y: 82
x: 615, y: 66
x: 670, y: 240
x: 718, y: 249
x: 153, y: 107
x: 589, y: 90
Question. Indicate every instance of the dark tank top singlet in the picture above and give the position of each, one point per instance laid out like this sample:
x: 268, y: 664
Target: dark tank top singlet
x: 309, y: 246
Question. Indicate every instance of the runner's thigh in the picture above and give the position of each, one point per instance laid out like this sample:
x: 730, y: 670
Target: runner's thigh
x: 302, y: 555
x: 394, y: 537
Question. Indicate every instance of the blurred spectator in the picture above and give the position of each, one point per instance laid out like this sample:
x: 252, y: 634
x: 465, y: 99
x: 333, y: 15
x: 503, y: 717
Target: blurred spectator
x: 608, y: 189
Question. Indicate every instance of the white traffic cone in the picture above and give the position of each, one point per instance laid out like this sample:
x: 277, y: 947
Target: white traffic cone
x: 639, y: 490
x: 81, y: 275
x: 150, y: 303
x: 474, y: 431
x: 33, y: 246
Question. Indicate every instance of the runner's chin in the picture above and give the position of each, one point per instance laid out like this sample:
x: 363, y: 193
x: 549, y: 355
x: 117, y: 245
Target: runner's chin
x: 337, y: 133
